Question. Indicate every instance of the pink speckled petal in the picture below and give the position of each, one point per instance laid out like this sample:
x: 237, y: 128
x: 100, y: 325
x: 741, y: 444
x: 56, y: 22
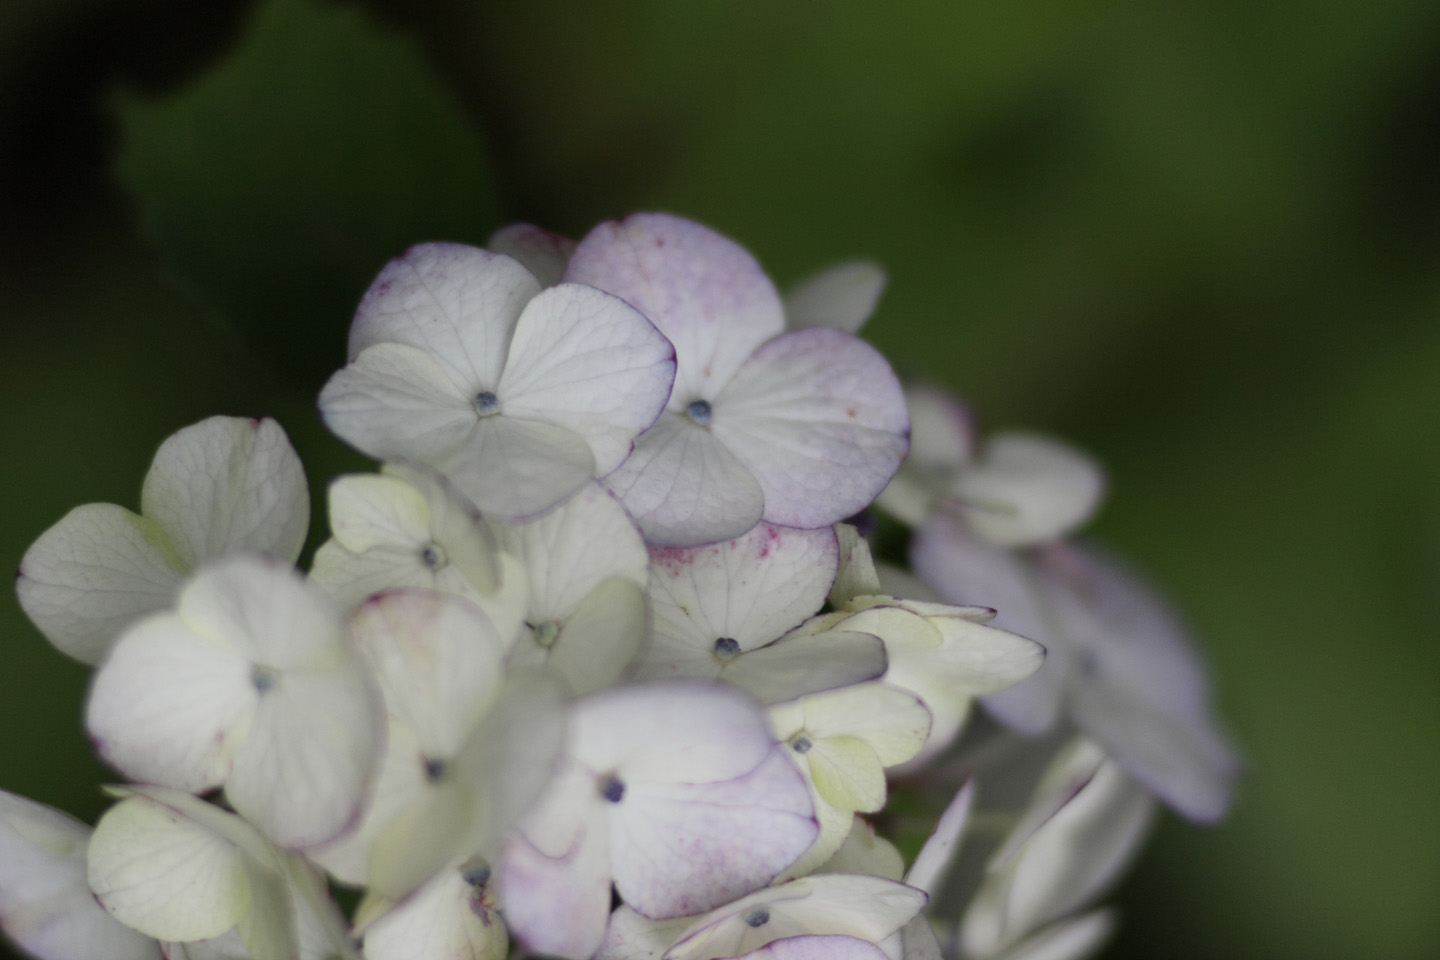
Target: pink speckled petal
x: 751, y: 589
x: 818, y: 417
x: 703, y: 290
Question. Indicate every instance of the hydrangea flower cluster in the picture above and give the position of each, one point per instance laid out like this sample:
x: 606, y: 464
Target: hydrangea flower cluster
x: 593, y: 666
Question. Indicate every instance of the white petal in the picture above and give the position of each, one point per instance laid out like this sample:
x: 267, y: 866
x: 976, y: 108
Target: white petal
x: 751, y: 589
x: 370, y: 510
x: 934, y: 859
x: 515, y: 467
x: 804, y: 664
x: 683, y: 848
x: 817, y: 948
x: 865, y: 851
x: 558, y: 906
x: 459, y: 304
x: 1025, y: 489
x: 842, y: 297
x: 857, y: 575
x: 683, y: 486
x: 570, y: 550
x: 455, y: 524
x: 168, y: 706
x: 1137, y: 686
x: 835, y: 825
x: 942, y: 430
x: 229, y: 484
x: 631, y: 936
x: 846, y: 773
x: 167, y: 876
x: 1068, y: 860
x: 264, y: 610
x: 301, y: 772
x: 867, y: 908
x: 543, y: 253
x: 1073, y: 938
x: 595, y: 646
x: 45, y: 902
x: 704, y: 292
x: 587, y: 361
x: 447, y: 919
x: 680, y: 732
x: 968, y: 570
x: 94, y: 573
x: 893, y: 722
x: 918, y: 940
x: 818, y: 417
x: 437, y: 660
x: 395, y: 401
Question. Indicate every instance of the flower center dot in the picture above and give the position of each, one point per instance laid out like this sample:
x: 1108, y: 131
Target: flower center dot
x: 435, y: 770
x: 486, y: 403
x: 758, y: 917
x: 726, y: 648
x: 433, y: 556
x: 699, y: 411
x: 612, y: 789
x: 801, y: 744
x: 475, y: 872
x: 263, y: 678
x: 546, y: 633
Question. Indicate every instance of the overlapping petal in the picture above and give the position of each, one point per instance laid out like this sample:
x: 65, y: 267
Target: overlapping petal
x: 841, y: 297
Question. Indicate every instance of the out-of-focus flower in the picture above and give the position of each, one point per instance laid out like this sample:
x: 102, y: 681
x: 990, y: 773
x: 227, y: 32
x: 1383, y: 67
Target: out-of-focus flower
x: 223, y: 485
x: 249, y: 684
x: 45, y: 901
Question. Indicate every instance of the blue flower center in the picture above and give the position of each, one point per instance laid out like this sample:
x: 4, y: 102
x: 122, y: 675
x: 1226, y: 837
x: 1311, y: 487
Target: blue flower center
x: 612, y: 789
x: 758, y: 917
x: 726, y: 648
x: 699, y: 411
x: 486, y: 403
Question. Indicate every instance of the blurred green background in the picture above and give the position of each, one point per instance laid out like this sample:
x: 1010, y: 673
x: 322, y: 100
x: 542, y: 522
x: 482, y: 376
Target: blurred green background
x: 1200, y: 239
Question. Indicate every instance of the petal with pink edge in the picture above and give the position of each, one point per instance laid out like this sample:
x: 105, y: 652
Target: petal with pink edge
x: 818, y: 417
x: 683, y: 486
x: 703, y: 291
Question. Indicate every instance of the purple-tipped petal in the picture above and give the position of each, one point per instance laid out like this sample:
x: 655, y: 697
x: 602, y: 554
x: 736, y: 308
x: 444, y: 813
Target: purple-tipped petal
x: 818, y: 417
x: 703, y: 290
x: 684, y: 487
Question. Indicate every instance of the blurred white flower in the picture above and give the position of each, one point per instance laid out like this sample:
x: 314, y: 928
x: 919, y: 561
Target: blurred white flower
x: 223, y: 485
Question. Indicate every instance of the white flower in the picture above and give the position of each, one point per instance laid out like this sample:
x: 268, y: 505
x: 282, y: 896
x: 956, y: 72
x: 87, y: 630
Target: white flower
x: 587, y: 568
x: 204, y: 881
x: 407, y: 527
x: 459, y: 360
x: 677, y: 791
x: 468, y: 749
x: 800, y: 429
x: 842, y: 741
x: 223, y: 485
x: 1017, y: 489
x: 249, y: 684
x: 727, y: 609
x: 1119, y: 665
x: 1083, y: 825
x: 45, y: 902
